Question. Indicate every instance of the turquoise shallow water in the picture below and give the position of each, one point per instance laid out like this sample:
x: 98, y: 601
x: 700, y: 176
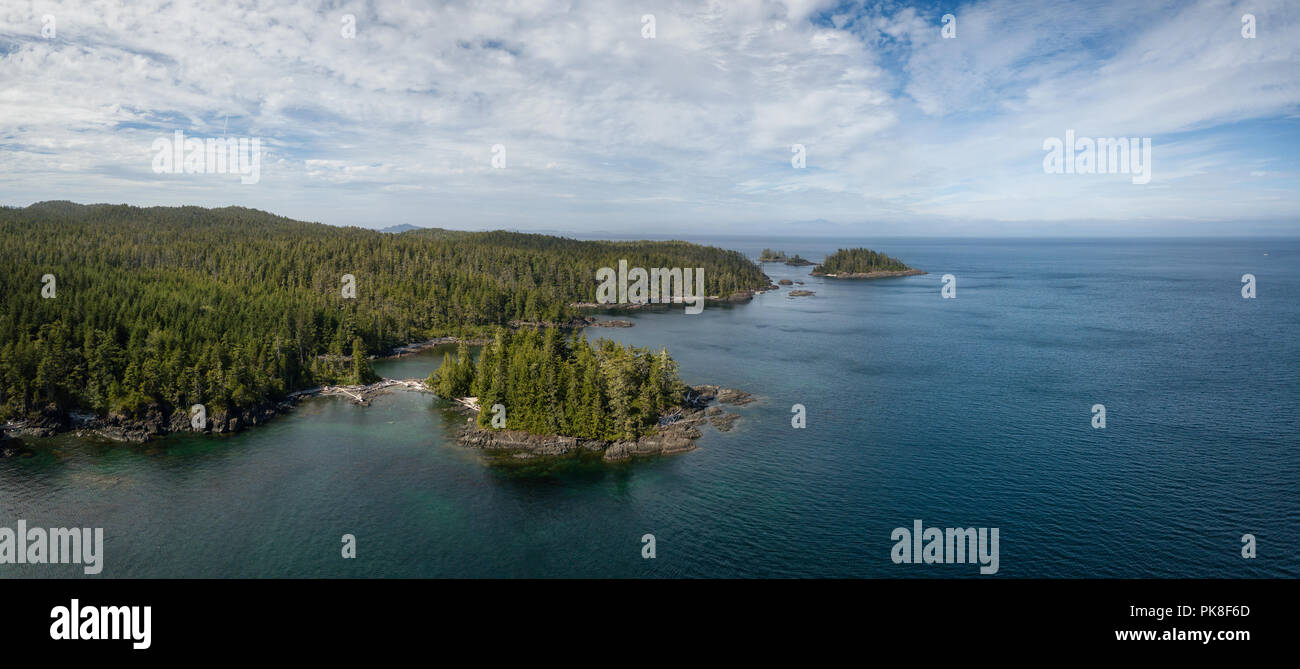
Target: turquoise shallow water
x: 973, y: 412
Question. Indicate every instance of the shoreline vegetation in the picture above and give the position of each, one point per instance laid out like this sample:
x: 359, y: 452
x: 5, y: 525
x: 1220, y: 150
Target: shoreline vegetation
x: 116, y: 320
x: 862, y: 263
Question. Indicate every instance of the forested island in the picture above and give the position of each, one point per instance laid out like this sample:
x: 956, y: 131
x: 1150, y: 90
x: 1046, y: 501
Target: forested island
x: 553, y: 384
x: 860, y: 263
x: 768, y: 255
x: 542, y: 393
x: 129, y: 316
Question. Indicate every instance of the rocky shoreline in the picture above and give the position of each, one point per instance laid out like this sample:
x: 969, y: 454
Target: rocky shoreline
x: 574, y: 323
x: 154, y: 422
x: 883, y: 274
x: 676, y: 433
x: 415, y: 347
x: 158, y: 421
x: 734, y: 298
x: 11, y: 447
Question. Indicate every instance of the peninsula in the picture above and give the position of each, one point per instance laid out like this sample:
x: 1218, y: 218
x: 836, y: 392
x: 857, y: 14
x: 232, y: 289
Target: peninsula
x: 134, y: 322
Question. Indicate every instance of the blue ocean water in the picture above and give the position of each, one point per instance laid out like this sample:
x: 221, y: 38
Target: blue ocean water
x: 966, y: 412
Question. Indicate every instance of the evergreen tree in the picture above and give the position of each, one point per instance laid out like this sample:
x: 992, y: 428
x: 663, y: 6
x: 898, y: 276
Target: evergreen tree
x: 360, y: 367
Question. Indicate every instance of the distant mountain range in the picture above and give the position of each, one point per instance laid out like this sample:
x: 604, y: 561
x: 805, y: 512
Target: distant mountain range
x: 407, y: 227
x: 400, y: 228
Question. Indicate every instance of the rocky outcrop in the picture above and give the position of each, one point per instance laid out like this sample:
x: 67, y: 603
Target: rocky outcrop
x: 659, y: 444
x: 709, y: 393
x: 11, y: 447
x: 44, y: 422
x: 786, y: 282
x: 520, y: 445
x: 526, y: 444
x: 153, y: 421
x: 801, y: 293
x: 723, y: 422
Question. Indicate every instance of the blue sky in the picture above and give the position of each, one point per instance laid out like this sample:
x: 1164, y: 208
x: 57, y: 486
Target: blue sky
x: 604, y: 130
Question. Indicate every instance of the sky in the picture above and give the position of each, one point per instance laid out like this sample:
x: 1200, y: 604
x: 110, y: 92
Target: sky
x: 382, y: 113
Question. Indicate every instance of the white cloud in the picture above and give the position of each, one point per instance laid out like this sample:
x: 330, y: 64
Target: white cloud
x: 693, y: 127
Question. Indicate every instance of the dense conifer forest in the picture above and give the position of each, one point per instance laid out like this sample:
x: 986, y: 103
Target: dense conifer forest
x: 171, y: 306
x: 859, y: 261
x: 551, y: 384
